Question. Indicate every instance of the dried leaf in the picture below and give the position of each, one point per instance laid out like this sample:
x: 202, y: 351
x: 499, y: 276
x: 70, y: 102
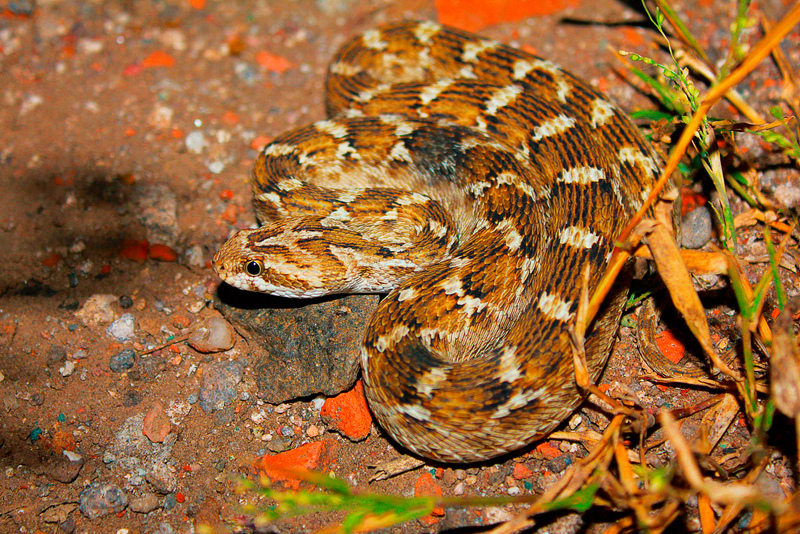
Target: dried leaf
x: 676, y: 277
x: 785, y: 368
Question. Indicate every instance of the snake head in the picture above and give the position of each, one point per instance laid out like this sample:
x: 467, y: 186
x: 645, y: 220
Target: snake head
x: 252, y: 260
x: 284, y: 259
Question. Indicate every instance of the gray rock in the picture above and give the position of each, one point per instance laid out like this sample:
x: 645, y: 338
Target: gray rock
x: 99, y: 499
x: 123, y: 329
x: 298, y: 348
x: 697, y: 229
x: 122, y: 361
x: 219, y: 385
x: 161, y: 478
x: 158, y: 212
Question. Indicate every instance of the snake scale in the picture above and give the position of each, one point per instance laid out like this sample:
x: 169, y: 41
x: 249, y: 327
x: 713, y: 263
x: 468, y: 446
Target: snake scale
x: 473, y: 183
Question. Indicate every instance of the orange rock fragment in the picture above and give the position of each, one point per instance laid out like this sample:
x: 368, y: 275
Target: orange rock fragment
x: 162, y: 253
x: 259, y: 142
x: 135, y: 249
x: 158, y: 58
x: 348, y: 413
x: 230, y: 215
x: 427, y: 486
x: 63, y: 441
x: 473, y: 15
x: 547, y: 450
x: 52, y: 260
x: 670, y: 346
x: 156, y: 424
x: 273, y: 63
x: 287, y: 467
x: 521, y: 472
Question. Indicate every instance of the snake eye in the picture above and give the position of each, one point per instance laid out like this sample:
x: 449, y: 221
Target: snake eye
x: 253, y: 268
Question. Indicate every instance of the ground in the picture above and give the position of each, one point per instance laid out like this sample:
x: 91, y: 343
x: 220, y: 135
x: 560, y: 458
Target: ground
x: 127, y: 132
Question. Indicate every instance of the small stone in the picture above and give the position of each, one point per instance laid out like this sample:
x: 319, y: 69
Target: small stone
x: 69, y: 525
x: 317, y: 456
x: 161, y: 478
x: 427, y: 486
x: 279, y: 444
x: 194, y: 256
x: 56, y: 354
x: 160, y: 252
x: 144, y: 504
x: 58, y: 513
x: 123, y: 328
x: 99, y: 499
x: 213, y: 335
x: 65, y: 471
x: 312, y: 431
x: 67, y: 369
x: 521, y: 472
x: 96, y: 310
x: 219, y: 385
x: 122, y: 361
x: 697, y: 228
x: 348, y: 413
x: 196, y: 142
x: 157, y: 207
x: 73, y: 456
x: 156, y: 424
x: 125, y: 302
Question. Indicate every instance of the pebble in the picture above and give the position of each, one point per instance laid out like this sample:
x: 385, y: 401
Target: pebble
x: 122, y: 361
x: 348, y: 414
x: 196, y: 142
x: 96, y: 310
x: 219, y: 385
x: 125, y: 302
x: 279, y: 444
x: 156, y: 424
x: 212, y: 335
x: 194, y: 256
x: 168, y: 503
x: 158, y: 212
x: 99, y: 499
x: 123, y: 328
x: 68, y: 525
x: 56, y: 354
x: 697, y: 229
x: 67, y: 369
x: 161, y: 478
x: 317, y: 456
x: 65, y: 470
x: 144, y: 504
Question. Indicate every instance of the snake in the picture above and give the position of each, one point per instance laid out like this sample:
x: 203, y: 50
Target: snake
x: 472, y: 183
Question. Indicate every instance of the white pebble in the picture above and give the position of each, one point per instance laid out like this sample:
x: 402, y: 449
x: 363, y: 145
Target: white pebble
x: 123, y: 328
x: 196, y: 142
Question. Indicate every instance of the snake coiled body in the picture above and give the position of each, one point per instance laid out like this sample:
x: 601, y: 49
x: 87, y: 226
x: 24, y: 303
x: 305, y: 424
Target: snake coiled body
x: 473, y: 182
